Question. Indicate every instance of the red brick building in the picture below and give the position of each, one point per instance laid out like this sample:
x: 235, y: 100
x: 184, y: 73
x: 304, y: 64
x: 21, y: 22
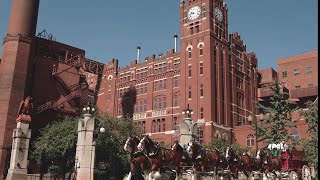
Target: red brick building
x: 299, y: 76
x: 212, y: 73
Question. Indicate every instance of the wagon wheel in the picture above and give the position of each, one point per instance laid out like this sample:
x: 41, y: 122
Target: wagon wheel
x: 293, y: 176
x: 306, y: 173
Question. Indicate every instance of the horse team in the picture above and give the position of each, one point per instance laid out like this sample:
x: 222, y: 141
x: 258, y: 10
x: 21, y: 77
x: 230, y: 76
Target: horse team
x: 145, y: 152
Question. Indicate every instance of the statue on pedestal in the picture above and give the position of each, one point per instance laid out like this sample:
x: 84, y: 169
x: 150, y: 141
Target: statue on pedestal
x: 25, y: 110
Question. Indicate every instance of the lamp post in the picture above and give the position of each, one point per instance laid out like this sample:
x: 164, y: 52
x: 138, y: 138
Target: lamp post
x: 188, y: 112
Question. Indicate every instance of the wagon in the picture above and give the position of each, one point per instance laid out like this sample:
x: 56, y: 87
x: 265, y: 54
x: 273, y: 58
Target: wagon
x: 295, y: 165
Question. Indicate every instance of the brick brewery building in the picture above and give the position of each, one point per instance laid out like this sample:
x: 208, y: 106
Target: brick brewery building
x: 212, y: 73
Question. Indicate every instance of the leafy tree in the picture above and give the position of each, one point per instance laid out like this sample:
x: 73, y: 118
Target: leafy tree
x: 310, y: 145
x: 109, y: 145
x: 56, y: 146
x: 274, y: 128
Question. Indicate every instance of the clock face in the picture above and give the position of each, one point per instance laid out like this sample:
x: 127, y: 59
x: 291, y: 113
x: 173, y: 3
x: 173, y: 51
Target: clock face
x: 219, y: 14
x: 194, y: 13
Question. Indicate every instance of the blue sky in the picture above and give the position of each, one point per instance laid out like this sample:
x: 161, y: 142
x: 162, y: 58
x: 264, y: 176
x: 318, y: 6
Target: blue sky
x: 109, y: 29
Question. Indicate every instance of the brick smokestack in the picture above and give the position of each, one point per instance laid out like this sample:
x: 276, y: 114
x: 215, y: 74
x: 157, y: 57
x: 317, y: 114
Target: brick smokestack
x: 15, y: 69
x: 23, y: 18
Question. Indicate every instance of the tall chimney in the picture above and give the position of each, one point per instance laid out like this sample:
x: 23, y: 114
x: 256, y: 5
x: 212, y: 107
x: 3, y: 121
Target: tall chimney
x: 138, y: 53
x: 23, y: 18
x: 175, y: 42
x: 16, y: 69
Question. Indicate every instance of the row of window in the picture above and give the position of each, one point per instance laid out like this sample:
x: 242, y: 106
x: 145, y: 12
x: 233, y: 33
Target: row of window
x: 160, y: 85
x: 141, y: 106
x: 159, y: 103
x: 190, y: 51
x: 297, y: 72
x: 200, y: 69
x: 201, y: 91
x: 141, y: 89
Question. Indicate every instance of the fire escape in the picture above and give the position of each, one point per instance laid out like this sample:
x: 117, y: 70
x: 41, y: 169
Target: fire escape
x: 76, y: 94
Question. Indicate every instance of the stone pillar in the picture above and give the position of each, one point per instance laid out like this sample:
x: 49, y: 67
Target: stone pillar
x: 20, y: 146
x: 188, y: 131
x: 85, y: 152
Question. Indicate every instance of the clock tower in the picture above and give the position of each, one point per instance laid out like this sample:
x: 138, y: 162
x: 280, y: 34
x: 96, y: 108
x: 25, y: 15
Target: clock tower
x: 205, y: 77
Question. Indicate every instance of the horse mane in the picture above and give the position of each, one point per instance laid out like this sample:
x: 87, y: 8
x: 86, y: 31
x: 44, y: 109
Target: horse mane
x: 179, y: 148
x: 136, y: 140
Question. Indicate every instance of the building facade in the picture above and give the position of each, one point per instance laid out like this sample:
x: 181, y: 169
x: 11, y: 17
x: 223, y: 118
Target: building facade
x: 298, y: 75
x: 212, y: 73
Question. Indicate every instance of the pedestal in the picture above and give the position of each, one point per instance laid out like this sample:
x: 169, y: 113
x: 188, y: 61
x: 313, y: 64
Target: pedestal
x: 20, y: 146
x: 85, y: 152
x: 188, y: 131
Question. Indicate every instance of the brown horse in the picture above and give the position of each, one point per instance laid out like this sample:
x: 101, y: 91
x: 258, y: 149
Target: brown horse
x: 138, y: 159
x: 233, y: 162
x: 159, y: 157
x: 269, y: 163
x: 202, y: 159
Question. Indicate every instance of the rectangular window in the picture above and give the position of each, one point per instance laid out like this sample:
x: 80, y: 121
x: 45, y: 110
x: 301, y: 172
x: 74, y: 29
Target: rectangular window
x: 164, y: 84
x: 310, y: 85
x: 189, y: 71
x: 163, y: 125
x: 191, y: 30
x: 309, y: 70
x: 297, y: 87
x: 296, y: 72
x: 176, y: 81
x: 201, y: 68
x: 189, y: 92
x: 175, y: 100
x: 284, y: 74
x: 197, y: 29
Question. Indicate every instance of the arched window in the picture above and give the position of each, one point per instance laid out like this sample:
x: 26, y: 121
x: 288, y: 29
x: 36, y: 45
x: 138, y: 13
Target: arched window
x: 295, y: 133
x: 250, y: 140
x: 160, y: 103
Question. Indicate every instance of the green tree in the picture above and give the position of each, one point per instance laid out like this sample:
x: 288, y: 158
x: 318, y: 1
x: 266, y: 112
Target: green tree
x: 310, y: 145
x: 274, y: 127
x: 56, y: 146
x: 109, y: 145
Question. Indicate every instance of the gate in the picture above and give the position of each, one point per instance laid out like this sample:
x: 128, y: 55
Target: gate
x: 106, y: 165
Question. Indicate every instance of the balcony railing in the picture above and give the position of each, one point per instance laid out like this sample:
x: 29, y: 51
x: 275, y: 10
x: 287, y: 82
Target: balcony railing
x: 304, y: 92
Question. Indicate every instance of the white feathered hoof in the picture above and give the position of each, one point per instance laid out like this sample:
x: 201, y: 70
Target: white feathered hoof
x: 157, y: 175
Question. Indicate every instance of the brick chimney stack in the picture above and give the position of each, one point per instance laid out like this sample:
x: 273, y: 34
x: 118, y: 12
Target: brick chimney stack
x: 15, y: 71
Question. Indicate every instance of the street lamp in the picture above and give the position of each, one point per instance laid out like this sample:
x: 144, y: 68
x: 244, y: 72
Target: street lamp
x: 89, y: 109
x: 188, y: 112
